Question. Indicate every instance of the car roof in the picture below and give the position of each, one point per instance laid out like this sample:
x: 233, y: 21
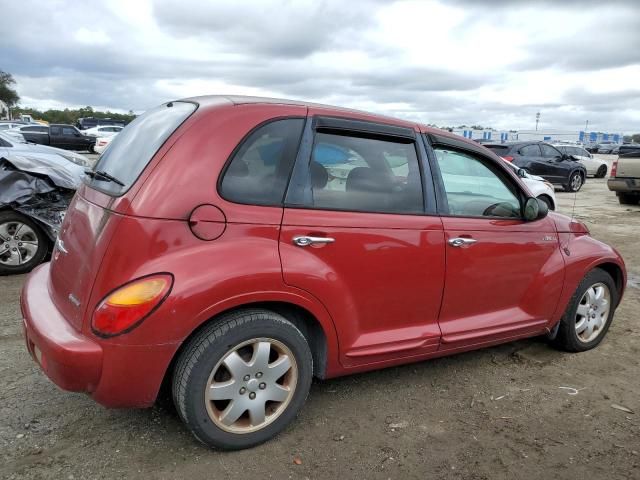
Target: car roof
x: 219, y: 100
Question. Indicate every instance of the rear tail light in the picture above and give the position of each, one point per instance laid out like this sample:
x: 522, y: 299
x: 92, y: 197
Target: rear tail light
x: 614, y: 168
x: 508, y: 159
x: 125, y: 308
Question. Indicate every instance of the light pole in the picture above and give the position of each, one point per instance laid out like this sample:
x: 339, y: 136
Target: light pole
x: 537, y: 120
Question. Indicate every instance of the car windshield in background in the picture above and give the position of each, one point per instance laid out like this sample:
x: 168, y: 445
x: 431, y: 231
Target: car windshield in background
x: 12, y: 138
x: 132, y: 149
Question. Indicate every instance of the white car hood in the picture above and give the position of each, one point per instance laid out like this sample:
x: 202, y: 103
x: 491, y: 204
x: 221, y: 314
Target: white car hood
x: 20, y: 148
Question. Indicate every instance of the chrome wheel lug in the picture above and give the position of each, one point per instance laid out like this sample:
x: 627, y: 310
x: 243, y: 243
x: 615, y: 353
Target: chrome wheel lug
x: 262, y: 386
x: 242, y: 391
x: 247, y: 377
x: 19, y: 244
x: 252, y: 395
x: 259, y: 375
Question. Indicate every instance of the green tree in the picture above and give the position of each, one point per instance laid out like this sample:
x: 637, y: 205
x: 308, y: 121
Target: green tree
x: 7, y: 94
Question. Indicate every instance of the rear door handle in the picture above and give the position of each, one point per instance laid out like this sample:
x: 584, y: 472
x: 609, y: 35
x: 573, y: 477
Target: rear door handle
x: 461, y: 242
x: 305, y: 241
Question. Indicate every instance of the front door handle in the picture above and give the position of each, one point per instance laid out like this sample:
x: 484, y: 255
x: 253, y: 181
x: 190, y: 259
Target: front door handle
x: 461, y: 242
x: 305, y: 241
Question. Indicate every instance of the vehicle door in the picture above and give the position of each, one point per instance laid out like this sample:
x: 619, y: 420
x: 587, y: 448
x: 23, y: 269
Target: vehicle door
x: 584, y: 157
x: 557, y: 165
x: 504, y: 275
x: 72, y: 139
x: 530, y: 158
x: 359, y: 232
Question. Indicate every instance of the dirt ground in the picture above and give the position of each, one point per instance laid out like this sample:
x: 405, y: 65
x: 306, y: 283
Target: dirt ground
x: 504, y: 412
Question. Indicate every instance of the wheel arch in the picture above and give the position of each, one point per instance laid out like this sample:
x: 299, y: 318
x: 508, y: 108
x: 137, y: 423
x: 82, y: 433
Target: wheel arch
x: 616, y: 273
x: 306, y: 321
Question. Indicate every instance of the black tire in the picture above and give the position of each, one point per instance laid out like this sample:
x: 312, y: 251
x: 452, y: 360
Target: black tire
x: 570, y: 187
x: 10, y: 216
x: 207, y: 348
x: 628, y: 199
x: 602, y: 171
x: 567, y: 338
x: 546, y: 199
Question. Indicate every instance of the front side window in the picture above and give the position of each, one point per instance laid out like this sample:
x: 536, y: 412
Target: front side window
x: 530, y: 151
x: 473, y: 189
x: 365, y: 175
x: 68, y: 131
x: 259, y: 171
x: 549, y: 151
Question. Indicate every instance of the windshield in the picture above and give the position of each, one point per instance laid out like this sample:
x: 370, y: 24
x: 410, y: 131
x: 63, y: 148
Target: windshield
x: 132, y: 149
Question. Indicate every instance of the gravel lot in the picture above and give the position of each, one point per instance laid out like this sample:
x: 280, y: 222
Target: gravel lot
x: 502, y: 412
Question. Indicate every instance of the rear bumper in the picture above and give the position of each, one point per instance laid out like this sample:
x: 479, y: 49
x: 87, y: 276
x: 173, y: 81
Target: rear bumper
x: 625, y: 185
x: 115, y: 375
x: 70, y: 360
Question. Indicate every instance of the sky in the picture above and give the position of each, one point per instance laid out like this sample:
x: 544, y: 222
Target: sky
x: 458, y: 62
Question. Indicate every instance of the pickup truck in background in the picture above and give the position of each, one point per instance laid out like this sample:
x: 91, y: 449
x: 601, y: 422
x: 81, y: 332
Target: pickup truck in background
x: 625, y: 175
x: 63, y: 136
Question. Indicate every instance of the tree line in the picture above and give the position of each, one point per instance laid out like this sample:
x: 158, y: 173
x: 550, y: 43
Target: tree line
x: 10, y: 97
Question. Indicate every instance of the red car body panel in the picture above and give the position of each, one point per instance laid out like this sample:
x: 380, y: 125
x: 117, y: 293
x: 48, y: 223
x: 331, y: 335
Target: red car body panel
x: 388, y: 291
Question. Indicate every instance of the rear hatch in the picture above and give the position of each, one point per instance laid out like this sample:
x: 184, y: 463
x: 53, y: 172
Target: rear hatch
x: 629, y: 161
x: 91, y: 222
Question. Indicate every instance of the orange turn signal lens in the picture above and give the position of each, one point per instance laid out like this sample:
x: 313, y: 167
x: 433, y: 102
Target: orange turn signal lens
x: 125, y: 308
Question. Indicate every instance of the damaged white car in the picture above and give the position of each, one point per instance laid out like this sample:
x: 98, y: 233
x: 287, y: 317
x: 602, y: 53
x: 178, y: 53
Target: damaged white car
x: 35, y: 191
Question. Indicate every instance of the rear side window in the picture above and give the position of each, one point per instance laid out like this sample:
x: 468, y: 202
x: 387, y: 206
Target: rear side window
x: 259, y: 170
x: 131, y: 150
x: 365, y: 175
x: 68, y: 131
x: 56, y: 131
x: 530, y: 151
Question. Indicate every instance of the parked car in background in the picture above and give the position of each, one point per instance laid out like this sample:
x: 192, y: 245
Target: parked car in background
x: 102, y: 143
x: 541, y: 188
x: 544, y: 160
x: 606, y: 147
x: 595, y: 166
x: 36, y: 186
x: 625, y: 175
x: 62, y: 136
x: 16, y: 145
x: 342, y: 242
x: 91, y: 122
x: 6, y: 125
x: 103, y: 131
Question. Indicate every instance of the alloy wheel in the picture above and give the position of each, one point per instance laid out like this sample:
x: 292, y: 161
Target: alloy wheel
x: 593, y: 312
x: 251, y: 385
x: 576, y: 182
x: 18, y: 243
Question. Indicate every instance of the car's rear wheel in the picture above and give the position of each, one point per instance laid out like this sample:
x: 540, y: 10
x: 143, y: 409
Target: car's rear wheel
x: 575, y: 182
x: 589, y: 313
x: 242, y: 379
x: 628, y: 199
x: 602, y: 171
x: 23, y: 244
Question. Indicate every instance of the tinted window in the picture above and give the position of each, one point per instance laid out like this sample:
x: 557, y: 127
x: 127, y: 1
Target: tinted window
x: 501, y: 150
x: 130, y: 152
x: 549, y: 151
x: 35, y: 129
x: 56, y: 131
x: 259, y: 171
x: 474, y: 189
x: 530, y: 151
x: 365, y: 174
x: 68, y: 131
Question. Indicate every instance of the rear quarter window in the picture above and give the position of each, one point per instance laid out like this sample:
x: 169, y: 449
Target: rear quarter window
x: 134, y: 147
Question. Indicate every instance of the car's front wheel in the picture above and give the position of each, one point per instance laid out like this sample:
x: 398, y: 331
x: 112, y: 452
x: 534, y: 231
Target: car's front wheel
x: 23, y: 244
x: 589, y: 313
x: 575, y: 182
x: 242, y: 379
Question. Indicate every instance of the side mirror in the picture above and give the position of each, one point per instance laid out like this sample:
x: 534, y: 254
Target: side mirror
x: 535, y: 209
x: 522, y: 173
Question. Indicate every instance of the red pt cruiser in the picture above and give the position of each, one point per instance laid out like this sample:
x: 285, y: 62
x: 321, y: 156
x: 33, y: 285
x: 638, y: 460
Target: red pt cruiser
x: 236, y: 247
